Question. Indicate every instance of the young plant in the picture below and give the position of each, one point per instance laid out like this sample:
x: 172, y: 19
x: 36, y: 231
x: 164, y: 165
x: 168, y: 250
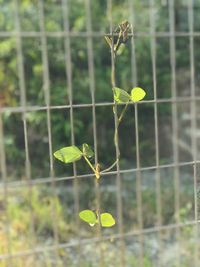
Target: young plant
x: 71, y: 154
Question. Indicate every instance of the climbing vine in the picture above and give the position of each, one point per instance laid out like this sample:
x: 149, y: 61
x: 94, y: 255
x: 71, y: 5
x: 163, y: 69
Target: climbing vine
x: 116, y: 41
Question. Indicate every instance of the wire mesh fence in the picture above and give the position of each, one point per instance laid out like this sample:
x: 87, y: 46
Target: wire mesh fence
x: 56, y: 91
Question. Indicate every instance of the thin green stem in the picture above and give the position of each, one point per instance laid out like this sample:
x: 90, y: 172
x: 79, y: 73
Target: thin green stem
x: 119, y: 119
x: 90, y: 164
x: 116, y: 124
x: 110, y: 167
x: 96, y: 171
x: 122, y: 113
x: 115, y: 134
x: 116, y: 142
x: 113, y: 73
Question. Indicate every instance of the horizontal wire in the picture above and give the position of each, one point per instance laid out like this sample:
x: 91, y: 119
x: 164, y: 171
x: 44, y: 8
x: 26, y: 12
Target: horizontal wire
x: 101, y: 104
x: 67, y: 178
x: 14, y: 184
x: 6, y: 34
x: 113, y: 237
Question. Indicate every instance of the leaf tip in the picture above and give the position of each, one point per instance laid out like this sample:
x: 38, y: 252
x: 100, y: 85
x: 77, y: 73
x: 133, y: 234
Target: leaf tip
x: 137, y: 94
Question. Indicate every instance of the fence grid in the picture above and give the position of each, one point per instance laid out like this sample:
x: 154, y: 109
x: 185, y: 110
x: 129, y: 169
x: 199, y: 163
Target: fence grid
x: 24, y: 108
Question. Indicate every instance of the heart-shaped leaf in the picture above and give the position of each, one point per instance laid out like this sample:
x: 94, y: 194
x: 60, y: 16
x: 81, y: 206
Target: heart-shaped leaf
x: 87, y: 151
x: 137, y: 94
x: 120, y: 95
x: 88, y: 216
x: 107, y: 220
x: 68, y: 154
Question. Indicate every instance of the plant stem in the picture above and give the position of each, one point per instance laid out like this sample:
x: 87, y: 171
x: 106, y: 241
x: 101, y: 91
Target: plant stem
x: 118, y: 119
x: 116, y: 133
x: 122, y: 113
x: 96, y: 171
x: 90, y: 164
x: 110, y: 167
x: 117, y: 149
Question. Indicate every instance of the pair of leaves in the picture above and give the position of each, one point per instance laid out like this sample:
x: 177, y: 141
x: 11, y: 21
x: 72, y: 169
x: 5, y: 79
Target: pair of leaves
x: 71, y: 154
x: 121, y: 96
x: 106, y: 219
x: 119, y: 36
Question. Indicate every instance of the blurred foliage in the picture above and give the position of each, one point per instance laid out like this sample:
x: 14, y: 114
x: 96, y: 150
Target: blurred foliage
x: 37, y: 216
x: 29, y: 14
x: 34, y: 68
x: 29, y: 210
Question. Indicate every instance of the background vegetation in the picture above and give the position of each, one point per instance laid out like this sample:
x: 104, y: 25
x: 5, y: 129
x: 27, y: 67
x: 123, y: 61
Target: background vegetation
x: 40, y: 216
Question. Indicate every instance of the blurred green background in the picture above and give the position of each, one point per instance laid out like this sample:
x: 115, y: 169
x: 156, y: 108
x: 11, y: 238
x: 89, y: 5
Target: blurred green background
x: 45, y: 214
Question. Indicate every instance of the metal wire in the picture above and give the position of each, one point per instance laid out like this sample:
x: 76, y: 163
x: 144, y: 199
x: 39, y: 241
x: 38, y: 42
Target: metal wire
x: 157, y: 156
x: 46, y: 88
x: 22, y: 86
x: 67, y: 53
x: 116, y: 141
x: 3, y: 170
x: 93, y: 34
x: 45, y: 180
x: 95, y: 240
x: 89, y: 35
x: 175, y: 123
x: 92, y: 85
x: 193, y: 127
x: 102, y: 104
x: 138, y: 173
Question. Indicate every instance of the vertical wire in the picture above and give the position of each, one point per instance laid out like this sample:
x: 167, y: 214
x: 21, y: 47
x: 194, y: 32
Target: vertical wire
x: 68, y: 64
x: 138, y: 172
x: 118, y: 180
x: 158, y: 186
x: 196, y: 227
x: 133, y: 48
x: 91, y: 69
x: 46, y: 87
x: 174, y: 122
x: 23, y: 102
x: 193, y: 124
x: 139, y: 188
x: 3, y: 170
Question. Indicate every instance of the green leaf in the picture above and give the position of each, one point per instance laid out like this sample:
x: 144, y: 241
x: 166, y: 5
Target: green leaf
x: 120, y: 95
x: 121, y: 49
x: 108, y: 40
x: 107, y: 220
x: 68, y: 154
x: 87, y: 151
x: 88, y: 216
x: 137, y: 94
